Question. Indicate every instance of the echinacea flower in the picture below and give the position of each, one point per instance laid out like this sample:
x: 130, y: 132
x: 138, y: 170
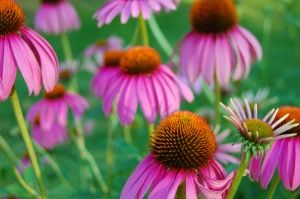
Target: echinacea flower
x: 260, y: 97
x: 139, y: 79
x: 23, y: 48
x: 53, y: 108
x: 48, y: 138
x: 56, y: 17
x: 283, y: 156
x: 217, y: 48
x: 257, y: 135
x: 183, y: 147
x: 225, y: 150
x: 68, y: 69
x: 101, y: 46
x: 131, y: 8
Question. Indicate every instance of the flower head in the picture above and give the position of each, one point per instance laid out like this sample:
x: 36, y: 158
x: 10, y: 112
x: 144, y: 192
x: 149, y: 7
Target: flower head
x: 68, y: 69
x: 283, y: 155
x: 257, y: 135
x: 217, y: 47
x: 94, y: 53
x: 56, y: 17
x: 259, y: 97
x: 183, y: 147
x: 50, y: 137
x: 23, y: 48
x: 53, y: 109
x: 131, y: 8
x: 139, y: 79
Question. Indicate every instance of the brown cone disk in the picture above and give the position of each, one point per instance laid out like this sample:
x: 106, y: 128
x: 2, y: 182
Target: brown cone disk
x: 113, y: 57
x: 140, y: 60
x: 57, y: 92
x: 213, y: 16
x: 183, y: 140
x: 12, y: 17
x: 294, y: 114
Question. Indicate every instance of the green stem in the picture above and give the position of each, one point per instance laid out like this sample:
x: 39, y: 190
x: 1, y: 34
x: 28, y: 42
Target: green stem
x: 109, y: 152
x: 274, y: 185
x: 66, y: 47
x: 217, y: 90
x: 136, y: 35
x: 144, y: 31
x: 13, y: 160
x: 52, y: 163
x: 127, y: 134
x: 93, y: 165
x: 23, y: 184
x: 28, y: 142
x: 296, y: 194
x: 160, y: 37
x: 239, y: 175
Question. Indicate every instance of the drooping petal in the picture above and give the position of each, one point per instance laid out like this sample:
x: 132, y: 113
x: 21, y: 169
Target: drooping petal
x: 137, y: 177
x: 8, y: 68
x: 45, y: 56
x: 269, y: 164
x: 127, y: 101
x: 27, y: 63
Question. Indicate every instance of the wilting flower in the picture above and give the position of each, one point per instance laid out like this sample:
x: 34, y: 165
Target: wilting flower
x: 139, y: 78
x: 131, y: 8
x: 225, y: 150
x: 48, y: 138
x: 257, y: 135
x: 68, y: 69
x: 23, y: 48
x: 259, y: 97
x: 283, y: 155
x: 53, y: 109
x: 183, y: 147
x: 217, y: 47
x: 56, y: 17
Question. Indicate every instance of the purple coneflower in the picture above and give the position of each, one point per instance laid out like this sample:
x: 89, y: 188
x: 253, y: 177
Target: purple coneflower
x: 23, y: 48
x: 53, y: 109
x: 139, y: 78
x: 283, y: 155
x: 101, y: 46
x: 183, y: 147
x: 56, y: 17
x: 50, y: 137
x: 257, y: 135
x: 217, y: 47
x: 131, y: 8
x: 68, y: 69
x: 225, y: 150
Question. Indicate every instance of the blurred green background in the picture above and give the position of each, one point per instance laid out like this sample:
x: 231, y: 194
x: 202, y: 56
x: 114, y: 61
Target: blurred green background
x: 276, y: 23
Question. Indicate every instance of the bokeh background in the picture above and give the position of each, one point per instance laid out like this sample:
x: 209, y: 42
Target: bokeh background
x: 276, y: 23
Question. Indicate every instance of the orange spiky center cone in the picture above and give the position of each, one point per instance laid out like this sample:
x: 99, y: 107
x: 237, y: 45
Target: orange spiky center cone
x: 113, y: 57
x: 183, y: 140
x: 140, y: 60
x: 56, y: 93
x: 12, y: 17
x: 294, y: 114
x: 213, y: 16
